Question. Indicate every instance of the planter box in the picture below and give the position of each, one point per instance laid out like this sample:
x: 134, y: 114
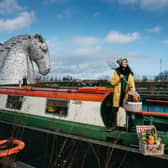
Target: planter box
x: 151, y: 150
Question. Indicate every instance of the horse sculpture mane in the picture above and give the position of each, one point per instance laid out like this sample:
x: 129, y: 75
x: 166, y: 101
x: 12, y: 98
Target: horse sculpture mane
x: 17, y: 56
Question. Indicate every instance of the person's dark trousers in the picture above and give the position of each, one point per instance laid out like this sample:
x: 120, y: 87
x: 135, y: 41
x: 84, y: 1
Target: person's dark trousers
x: 112, y: 118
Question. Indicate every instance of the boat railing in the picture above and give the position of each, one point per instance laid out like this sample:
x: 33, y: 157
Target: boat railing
x: 143, y: 91
x: 158, y: 119
x: 152, y: 113
x: 156, y: 101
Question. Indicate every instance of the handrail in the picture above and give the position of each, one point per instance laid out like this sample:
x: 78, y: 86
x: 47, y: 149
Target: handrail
x: 150, y: 113
x: 156, y: 101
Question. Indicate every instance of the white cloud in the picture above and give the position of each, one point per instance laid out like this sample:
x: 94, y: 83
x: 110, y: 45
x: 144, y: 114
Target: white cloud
x: 117, y: 37
x: 96, y: 14
x: 154, y: 30
x: 90, y: 53
x: 85, y: 55
x: 23, y: 20
x: 112, y: 37
x: 127, y: 1
x: 154, y: 4
x: 65, y: 14
x: 87, y: 62
x: 164, y: 42
x: 85, y: 40
x: 145, y: 4
x: 9, y: 6
x: 91, y: 62
x: 54, y: 1
x: 53, y: 43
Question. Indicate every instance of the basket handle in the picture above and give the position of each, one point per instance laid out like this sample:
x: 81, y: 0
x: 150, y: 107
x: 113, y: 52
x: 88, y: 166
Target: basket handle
x: 155, y: 131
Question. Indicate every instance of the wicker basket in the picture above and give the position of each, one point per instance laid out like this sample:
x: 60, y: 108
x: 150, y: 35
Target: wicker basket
x: 133, y: 106
x: 151, y: 150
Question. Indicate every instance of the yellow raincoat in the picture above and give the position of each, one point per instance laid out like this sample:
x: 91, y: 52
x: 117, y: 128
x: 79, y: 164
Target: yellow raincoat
x: 116, y: 82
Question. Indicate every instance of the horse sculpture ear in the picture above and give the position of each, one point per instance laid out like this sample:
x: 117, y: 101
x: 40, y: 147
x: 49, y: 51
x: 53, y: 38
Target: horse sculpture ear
x: 39, y: 37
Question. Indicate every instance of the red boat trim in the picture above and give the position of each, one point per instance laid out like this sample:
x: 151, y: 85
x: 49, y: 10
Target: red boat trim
x: 156, y: 101
x: 98, y: 96
x: 93, y: 90
x: 150, y: 113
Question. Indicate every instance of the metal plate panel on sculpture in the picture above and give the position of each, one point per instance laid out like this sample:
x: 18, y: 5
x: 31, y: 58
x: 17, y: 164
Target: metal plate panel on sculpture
x: 17, y: 56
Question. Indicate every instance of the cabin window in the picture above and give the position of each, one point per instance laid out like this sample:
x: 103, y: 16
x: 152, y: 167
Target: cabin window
x: 14, y: 102
x: 57, y: 107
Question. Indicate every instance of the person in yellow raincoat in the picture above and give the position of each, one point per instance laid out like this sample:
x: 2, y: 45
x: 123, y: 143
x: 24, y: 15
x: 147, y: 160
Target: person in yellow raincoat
x: 123, y: 82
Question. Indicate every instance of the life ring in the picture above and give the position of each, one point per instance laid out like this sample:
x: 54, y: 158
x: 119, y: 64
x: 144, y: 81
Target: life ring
x: 7, y: 152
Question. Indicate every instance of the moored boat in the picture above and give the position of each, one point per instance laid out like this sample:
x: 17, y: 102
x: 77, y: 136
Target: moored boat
x: 81, y: 112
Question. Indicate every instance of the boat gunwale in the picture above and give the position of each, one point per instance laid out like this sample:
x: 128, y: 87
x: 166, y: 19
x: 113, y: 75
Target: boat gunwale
x: 98, y: 96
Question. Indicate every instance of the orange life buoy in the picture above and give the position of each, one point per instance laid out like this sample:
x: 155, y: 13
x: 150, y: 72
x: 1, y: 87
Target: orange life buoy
x: 7, y: 152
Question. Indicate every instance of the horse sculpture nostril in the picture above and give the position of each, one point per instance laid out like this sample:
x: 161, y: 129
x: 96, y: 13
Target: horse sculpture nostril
x: 44, y: 71
x: 48, y: 70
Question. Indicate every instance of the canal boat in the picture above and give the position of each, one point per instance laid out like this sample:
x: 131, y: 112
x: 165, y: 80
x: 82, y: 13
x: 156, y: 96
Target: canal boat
x: 81, y: 113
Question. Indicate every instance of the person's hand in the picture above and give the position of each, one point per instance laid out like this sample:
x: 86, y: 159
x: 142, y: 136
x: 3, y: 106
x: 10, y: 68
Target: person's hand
x: 121, y: 76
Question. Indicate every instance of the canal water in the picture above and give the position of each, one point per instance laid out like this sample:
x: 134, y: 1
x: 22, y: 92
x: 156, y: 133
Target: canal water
x: 44, y: 150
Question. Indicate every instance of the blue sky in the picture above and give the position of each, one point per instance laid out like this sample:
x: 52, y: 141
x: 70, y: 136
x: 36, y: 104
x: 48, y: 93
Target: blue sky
x: 84, y: 35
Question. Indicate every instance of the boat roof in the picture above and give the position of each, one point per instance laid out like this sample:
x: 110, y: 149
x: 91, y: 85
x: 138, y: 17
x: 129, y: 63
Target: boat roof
x: 86, y: 93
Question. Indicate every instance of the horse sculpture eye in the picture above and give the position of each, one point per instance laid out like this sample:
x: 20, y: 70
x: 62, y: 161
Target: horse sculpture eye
x: 44, y: 49
x: 40, y: 58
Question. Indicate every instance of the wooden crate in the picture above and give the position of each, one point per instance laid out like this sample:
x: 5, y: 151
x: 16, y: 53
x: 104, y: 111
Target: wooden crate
x: 151, y: 150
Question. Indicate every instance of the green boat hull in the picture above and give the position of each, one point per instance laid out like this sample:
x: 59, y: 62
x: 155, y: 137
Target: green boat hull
x: 125, y: 137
